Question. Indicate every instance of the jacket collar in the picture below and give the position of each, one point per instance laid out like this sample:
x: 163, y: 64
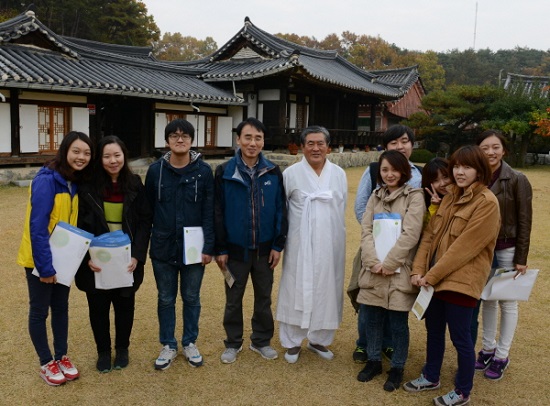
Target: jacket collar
x: 193, y: 156
x: 262, y: 166
x: 460, y: 197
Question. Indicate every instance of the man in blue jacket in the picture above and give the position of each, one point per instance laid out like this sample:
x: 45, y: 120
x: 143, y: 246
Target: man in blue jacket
x: 251, y: 227
x: 180, y: 189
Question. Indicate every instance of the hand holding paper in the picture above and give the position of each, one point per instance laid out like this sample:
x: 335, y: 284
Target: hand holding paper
x: 112, y: 253
x: 68, y: 245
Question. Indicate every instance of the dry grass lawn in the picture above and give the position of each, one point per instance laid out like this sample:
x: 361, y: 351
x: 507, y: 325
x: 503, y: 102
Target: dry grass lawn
x: 252, y: 380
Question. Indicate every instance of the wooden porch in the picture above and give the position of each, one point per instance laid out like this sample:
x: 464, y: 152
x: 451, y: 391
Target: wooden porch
x: 281, y: 137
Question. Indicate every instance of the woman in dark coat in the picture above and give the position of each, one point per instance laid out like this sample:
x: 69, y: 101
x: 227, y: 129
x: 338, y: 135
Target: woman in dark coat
x: 114, y: 200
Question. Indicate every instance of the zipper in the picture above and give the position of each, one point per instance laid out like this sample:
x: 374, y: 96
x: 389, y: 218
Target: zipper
x: 253, y: 214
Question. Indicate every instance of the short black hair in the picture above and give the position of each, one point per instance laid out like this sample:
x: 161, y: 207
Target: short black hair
x: 396, y: 131
x: 179, y: 124
x: 254, y: 122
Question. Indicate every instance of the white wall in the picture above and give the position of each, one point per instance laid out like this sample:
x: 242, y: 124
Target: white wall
x: 80, y: 120
x: 225, y: 134
x: 28, y: 117
x: 5, y: 128
x: 160, y: 124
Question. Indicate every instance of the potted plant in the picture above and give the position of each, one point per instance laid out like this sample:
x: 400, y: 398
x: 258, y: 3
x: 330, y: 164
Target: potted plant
x: 292, y: 148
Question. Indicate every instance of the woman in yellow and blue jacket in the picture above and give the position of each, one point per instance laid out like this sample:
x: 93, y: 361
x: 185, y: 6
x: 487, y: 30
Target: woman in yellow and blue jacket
x: 52, y: 198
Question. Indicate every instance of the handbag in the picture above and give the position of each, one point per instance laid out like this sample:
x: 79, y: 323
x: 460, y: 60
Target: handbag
x: 505, y: 286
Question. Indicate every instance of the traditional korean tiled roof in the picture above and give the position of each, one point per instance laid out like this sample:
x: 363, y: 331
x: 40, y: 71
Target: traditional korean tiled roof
x: 527, y: 85
x: 253, y: 53
x: 34, y: 57
x: 401, y: 79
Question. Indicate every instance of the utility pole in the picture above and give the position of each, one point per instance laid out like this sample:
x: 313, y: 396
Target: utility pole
x: 475, y: 28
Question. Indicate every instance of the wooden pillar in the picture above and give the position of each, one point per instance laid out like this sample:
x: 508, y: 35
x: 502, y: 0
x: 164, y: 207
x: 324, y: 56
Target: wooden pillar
x: 373, y: 116
x: 311, y: 115
x: 15, y: 123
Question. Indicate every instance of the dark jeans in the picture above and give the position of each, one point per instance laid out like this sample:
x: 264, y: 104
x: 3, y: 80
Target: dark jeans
x: 190, y: 280
x: 262, y: 318
x: 474, y: 327
x: 362, y: 330
x: 42, y: 298
x: 438, y: 315
x: 99, y: 306
x: 398, y: 323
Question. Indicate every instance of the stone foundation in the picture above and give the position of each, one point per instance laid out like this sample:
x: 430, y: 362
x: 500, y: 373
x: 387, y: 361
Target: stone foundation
x: 22, y: 176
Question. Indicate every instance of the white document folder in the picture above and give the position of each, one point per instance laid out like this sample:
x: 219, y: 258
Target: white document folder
x: 386, y: 229
x: 193, y: 242
x: 506, y: 286
x: 422, y: 301
x: 112, y: 252
x: 68, y: 245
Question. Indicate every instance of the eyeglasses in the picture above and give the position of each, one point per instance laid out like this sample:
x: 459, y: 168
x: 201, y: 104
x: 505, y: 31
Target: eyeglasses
x: 175, y: 137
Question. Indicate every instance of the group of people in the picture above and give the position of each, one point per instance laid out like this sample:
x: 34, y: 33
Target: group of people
x: 475, y: 215
x: 451, y: 226
x: 246, y: 211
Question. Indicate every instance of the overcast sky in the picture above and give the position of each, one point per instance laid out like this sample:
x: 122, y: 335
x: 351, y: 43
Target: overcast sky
x: 438, y: 25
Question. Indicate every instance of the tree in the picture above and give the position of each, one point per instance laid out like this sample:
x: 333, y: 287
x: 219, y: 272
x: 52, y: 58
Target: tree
x: 431, y: 71
x: 457, y: 115
x: 453, y: 116
x: 175, y: 47
x: 123, y: 22
x: 303, y: 40
x: 541, y: 120
x: 126, y: 22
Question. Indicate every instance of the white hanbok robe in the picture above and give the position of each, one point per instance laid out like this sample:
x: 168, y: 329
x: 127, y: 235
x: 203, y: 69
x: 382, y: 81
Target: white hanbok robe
x: 311, y: 289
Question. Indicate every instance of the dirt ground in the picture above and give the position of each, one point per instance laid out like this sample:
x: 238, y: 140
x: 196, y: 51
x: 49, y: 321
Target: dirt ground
x: 252, y: 380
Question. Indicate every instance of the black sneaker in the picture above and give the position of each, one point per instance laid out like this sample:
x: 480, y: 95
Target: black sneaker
x: 395, y: 377
x: 360, y: 355
x: 372, y: 368
x: 103, y: 364
x: 121, y: 359
x: 387, y: 353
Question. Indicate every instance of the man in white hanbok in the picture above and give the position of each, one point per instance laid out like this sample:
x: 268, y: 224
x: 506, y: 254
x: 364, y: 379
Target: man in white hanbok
x: 311, y: 288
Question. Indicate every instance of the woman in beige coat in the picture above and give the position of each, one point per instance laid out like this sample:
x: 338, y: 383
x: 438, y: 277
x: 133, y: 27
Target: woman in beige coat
x: 385, y: 283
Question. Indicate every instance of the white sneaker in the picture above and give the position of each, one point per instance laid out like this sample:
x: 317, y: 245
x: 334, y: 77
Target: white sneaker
x: 166, y: 357
x: 51, y: 374
x: 67, y: 368
x: 229, y: 356
x: 193, y: 355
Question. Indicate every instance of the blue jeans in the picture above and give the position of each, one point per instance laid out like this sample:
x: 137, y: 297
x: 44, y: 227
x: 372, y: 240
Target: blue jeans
x: 362, y: 321
x: 438, y: 315
x: 166, y: 276
x: 399, y: 327
x: 42, y: 297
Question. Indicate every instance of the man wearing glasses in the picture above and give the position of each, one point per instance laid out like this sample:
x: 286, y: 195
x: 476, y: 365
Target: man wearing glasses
x: 180, y: 188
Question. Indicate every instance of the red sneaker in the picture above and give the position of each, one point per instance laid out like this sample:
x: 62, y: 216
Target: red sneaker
x: 68, y: 369
x: 51, y: 374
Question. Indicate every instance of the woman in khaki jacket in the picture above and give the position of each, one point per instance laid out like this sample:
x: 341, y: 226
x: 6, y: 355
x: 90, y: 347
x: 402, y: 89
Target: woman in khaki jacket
x: 455, y: 257
x: 385, y: 283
